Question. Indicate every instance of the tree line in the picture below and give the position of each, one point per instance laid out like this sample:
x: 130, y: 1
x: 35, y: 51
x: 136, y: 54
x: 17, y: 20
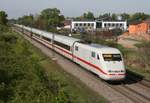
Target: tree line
x: 3, y: 21
x: 139, y: 16
x: 51, y: 18
x: 3, y: 18
x: 47, y: 19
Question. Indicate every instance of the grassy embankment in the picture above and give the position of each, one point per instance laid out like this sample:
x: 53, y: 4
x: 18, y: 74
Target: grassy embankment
x: 28, y: 76
x: 138, y: 60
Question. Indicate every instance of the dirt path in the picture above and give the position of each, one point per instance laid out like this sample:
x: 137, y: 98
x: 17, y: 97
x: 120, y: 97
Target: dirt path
x: 128, y: 43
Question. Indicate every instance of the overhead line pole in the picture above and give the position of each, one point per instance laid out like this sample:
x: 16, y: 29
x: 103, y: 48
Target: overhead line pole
x: 53, y: 47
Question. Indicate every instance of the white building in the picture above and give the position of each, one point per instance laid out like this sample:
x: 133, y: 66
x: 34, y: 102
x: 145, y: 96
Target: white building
x: 93, y: 25
x: 114, y: 24
x: 79, y: 25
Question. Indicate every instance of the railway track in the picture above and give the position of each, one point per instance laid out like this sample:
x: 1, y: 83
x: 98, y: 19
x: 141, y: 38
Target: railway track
x: 132, y: 88
x: 138, y: 78
x: 136, y: 90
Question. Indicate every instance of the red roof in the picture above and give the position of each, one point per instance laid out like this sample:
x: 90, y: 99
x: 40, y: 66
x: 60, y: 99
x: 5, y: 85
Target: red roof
x: 146, y: 21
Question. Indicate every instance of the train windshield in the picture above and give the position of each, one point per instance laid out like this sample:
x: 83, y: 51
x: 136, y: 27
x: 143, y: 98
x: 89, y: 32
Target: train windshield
x: 112, y: 57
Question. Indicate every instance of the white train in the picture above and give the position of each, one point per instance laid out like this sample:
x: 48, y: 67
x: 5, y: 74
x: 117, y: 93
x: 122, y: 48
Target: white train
x: 106, y: 62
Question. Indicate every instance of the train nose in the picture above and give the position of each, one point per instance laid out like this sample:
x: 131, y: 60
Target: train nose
x: 116, y: 77
x: 117, y: 74
x: 119, y: 71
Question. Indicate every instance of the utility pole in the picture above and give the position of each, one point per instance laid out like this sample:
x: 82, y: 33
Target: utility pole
x: 22, y: 29
x: 31, y: 34
x: 53, y: 47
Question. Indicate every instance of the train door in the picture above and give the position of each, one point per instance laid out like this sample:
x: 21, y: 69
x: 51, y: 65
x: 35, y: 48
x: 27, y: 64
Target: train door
x: 93, y: 57
x: 95, y: 61
x: 75, y: 53
x: 74, y: 50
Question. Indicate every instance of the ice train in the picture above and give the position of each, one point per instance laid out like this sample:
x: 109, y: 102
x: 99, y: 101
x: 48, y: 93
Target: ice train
x: 106, y: 62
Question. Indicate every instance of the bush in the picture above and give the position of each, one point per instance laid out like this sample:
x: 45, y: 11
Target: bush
x: 144, y: 53
x: 3, y: 28
x: 117, y: 32
x: 22, y: 79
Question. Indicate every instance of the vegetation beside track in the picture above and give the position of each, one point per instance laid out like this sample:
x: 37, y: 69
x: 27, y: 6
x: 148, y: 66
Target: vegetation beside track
x: 28, y: 76
x: 139, y: 60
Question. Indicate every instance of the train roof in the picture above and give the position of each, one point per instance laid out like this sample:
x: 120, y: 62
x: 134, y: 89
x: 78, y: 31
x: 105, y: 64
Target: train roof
x: 66, y: 40
x: 60, y: 38
x: 100, y: 48
x: 70, y: 40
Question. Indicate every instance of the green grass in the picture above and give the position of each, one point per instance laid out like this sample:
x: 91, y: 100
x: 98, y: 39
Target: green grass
x: 74, y: 86
x: 140, y: 71
x: 133, y: 63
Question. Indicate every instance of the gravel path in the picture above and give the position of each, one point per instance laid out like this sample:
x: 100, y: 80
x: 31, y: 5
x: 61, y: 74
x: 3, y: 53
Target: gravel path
x: 86, y: 77
x: 127, y: 43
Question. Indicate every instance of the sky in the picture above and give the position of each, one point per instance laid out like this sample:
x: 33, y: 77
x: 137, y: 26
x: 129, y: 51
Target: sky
x: 73, y: 8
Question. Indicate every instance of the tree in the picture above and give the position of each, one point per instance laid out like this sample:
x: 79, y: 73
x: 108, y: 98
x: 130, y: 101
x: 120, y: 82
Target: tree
x: 88, y: 15
x: 125, y: 16
x: 117, y: 32
x: 40, y: 23
x: 114, y: 17
x: 105, y: 16
x: 26, y: 20
x: 53, y: 17
x: 3, y: 18
x: 139, y: 16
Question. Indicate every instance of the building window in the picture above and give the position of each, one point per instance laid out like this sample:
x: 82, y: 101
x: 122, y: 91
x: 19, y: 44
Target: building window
x: 76, y: 48
x: 117, y: 25
x: 84, y: 24
x: 93, y: 54
x: 98, y: 57
x: 76, y: 24
x: 92, y: 24
x: 80, y: 24
x: 105, y: 25
x: 88, y: 24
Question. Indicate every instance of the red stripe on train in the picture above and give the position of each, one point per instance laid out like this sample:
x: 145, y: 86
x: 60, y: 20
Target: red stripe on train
x: 82, y: 60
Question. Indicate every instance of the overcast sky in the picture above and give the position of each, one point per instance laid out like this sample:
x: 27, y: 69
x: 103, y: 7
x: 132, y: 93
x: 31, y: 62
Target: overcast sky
x: 16, y: 8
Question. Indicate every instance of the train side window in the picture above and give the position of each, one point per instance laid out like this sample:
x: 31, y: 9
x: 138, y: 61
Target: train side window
x: 98, y: 57
x: 76, y: 48
x: 93, y: 54
x: 62, y: 45
x: 47, y: 39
